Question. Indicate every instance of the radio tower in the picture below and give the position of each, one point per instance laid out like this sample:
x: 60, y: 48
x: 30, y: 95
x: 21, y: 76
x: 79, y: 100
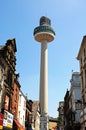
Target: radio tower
x: 44, y: 34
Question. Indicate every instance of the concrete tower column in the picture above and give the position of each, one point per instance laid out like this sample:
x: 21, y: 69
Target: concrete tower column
x: 44, y: 34
x: 44, y: 79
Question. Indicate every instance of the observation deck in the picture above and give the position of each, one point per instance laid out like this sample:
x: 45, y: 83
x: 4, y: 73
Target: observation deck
x: 44, y: 31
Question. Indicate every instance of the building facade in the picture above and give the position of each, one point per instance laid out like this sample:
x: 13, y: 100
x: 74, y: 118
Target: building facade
x: 15, y: 108
x: 28, y: 114
x: 76, y: 100
x: 60, y: 120
x: 82, y: 62
x: 73, y: 104
x: 66, y: 111
x: 8, y: 57
x: 15, y: 97
x: 52, y: 123
x: 21, y: 108
x: 7, y: 74
x: 35, y: 116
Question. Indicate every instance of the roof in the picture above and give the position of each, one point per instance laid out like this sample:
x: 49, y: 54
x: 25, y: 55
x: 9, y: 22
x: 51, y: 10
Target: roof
x: 52, y: 119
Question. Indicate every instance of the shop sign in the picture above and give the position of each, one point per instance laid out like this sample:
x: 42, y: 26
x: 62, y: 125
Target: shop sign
x: 8, y: 119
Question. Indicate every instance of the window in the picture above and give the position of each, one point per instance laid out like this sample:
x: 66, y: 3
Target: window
x: 19, y: 114
x: 20, y: 99
x: 81, y: 61
x: 85, y: 77
x: 9, y: 77
x: 1, y: 72
x: 24, y: 104
x: 84, y: 52
x: 82, y: 81
x: 23, y: 118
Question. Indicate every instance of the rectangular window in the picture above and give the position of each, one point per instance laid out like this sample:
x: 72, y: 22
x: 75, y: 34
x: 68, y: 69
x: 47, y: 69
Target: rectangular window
x: 19, y: 99
x: 84, y: 52
x: 24, y: 104
x: 81, y: 61
x: 19, y: 114
x: 82, y: 81
x: 6, y: 103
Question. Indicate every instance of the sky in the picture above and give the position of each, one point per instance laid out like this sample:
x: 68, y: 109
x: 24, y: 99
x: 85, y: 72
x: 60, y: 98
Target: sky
x: 18, y: 18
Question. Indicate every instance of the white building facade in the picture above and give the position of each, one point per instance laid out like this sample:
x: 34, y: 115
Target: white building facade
x: 73, y: 104
x: 76, y: 96
x: 21, y: 108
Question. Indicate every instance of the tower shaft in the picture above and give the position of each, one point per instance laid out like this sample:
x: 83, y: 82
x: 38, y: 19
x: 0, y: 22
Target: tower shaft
x: 44, y: 87
x: 44, y: 79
